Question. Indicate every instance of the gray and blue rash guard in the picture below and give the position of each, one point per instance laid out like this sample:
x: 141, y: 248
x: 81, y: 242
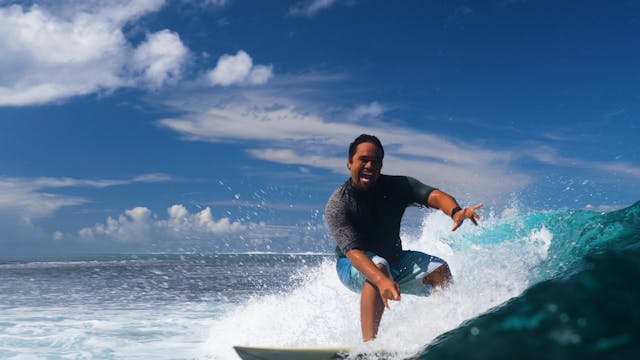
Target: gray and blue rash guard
x: 370, y: 220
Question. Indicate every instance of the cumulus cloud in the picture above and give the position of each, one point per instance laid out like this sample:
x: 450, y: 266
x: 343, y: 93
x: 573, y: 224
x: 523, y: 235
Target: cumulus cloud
x: 133, y: 225
x: 69, y: 49
x: 160, y: 58
x: 239, y: 70
x: 47, y: 58
x: 139, y: 225
x: 181, y: 221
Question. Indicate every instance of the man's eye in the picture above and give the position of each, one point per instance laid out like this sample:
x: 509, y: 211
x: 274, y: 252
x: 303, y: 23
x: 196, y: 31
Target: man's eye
x: 373, y: 161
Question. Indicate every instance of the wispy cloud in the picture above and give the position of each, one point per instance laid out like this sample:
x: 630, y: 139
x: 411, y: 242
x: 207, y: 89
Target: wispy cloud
x: 296, y: 157
x: 292, y: 136
x: 620, y: 169
x: 309, y: 8
x: 368, y: 112
x: 614, y: 169
x: 32, y: 198
x: 459, y: 15
x: 217, y: 2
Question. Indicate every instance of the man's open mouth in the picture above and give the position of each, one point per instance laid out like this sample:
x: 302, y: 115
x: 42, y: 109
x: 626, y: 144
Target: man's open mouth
x: 366, y: 177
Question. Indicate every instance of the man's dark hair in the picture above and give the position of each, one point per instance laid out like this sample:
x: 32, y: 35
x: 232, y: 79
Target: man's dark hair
x: 362, y: 139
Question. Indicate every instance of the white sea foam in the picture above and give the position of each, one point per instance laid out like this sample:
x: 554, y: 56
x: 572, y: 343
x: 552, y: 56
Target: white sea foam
x: 490, y: 263
x: 321, y: 312
x: 76, y: 332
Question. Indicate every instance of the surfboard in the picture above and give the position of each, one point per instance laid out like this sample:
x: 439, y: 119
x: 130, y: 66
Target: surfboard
x: 291, y: 353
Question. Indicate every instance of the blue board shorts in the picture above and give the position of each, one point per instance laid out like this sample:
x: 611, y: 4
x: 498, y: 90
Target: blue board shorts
x: 408, y: 271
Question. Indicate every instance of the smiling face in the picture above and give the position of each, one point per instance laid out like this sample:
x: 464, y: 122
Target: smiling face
x: 365, y: 166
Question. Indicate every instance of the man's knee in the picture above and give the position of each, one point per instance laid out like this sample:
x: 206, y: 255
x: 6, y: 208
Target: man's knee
x: 439, y: 277
x: 384, y: 268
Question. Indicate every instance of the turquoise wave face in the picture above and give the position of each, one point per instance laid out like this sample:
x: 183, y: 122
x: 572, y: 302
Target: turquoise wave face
x: 580, y: 233
x: 565, y: 236
x: 584, y: 301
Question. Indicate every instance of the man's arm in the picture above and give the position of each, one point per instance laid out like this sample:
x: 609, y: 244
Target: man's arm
x: 389, y: 289
x: 441, y: 200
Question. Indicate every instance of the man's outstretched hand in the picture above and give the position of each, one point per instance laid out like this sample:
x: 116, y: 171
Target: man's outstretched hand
x: 464, y: 214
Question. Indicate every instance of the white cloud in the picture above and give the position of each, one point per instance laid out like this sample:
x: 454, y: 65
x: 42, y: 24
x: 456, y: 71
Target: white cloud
x: 58, y: 50
x: 292, y: 157
x: 153, y: 178
x: 139, y: 225
x: 369, y: 111
x: 260, y: 74
x: 291, y: 132
x: 161, y: 58
x: 620, y: 169
x: 46, y: 58
x: 57, y: 236
x: 24, y: 199
x: 31, y: 198
x: 254, y: 122
x: 616, y: 169
x: 309, y: 8
x: 181, y: 221
x: 239, y: 70
x: 217, y: 2
x: 134, y: 225
x: 301, y: 138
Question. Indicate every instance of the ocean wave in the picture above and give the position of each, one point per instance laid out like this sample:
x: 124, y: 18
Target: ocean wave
x: 582, y: 304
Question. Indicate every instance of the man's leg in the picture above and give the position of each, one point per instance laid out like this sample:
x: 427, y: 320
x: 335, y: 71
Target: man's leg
x: 439, y: 278
x: 371, y: 308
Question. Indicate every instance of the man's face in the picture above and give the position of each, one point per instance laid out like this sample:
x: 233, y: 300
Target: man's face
x: 365, y: 166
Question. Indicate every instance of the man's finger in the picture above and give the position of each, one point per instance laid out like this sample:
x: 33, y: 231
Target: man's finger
x: 476, y: 207
x: 456, y: 225
x: 385, y: 302
x: 396, y: 293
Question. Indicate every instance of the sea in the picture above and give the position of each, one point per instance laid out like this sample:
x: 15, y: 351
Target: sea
x: 558, y: 284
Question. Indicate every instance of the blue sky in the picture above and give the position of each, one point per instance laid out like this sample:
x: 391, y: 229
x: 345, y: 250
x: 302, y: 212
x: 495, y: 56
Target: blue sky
x: 222, y: 125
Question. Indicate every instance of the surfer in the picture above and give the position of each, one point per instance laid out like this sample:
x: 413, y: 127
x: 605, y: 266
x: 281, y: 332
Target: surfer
x: 364, y: 216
